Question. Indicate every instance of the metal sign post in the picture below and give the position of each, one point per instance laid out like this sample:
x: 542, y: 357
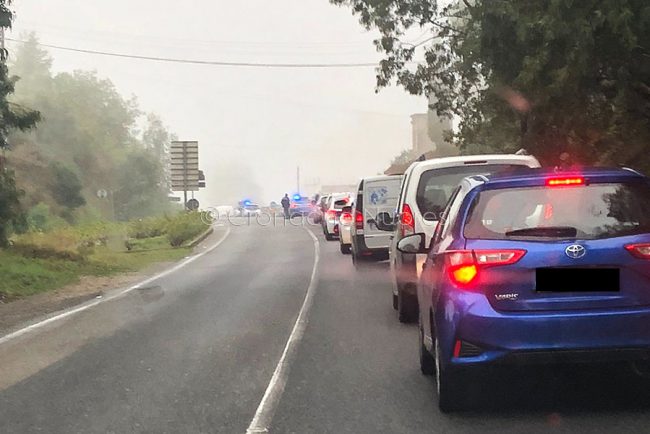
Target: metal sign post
x: 185, y: 167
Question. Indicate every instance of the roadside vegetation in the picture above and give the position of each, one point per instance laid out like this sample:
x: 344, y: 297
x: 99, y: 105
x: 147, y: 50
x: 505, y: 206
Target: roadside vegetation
x: 552, y: 77
x: 83, y: 186
x: 39, y: 261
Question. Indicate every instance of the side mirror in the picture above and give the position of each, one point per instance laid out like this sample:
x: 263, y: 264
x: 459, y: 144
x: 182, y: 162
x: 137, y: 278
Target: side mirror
x: 412, y: 244
x: 385, y: 222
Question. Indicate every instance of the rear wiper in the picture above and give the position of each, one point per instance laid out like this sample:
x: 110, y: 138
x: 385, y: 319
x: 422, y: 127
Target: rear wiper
x: 545, y: 231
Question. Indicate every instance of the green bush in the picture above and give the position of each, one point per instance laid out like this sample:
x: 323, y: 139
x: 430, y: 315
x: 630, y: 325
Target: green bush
x: 67, y: 242
x: 40, y: 219
x: 148, y: 228
x: 60, y: 244
x: 184, y: 228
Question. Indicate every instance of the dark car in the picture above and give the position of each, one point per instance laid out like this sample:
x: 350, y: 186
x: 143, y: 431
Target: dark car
x: 301, y: 206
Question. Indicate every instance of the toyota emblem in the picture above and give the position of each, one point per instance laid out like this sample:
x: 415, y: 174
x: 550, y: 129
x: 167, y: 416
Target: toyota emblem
x: 575, y: 251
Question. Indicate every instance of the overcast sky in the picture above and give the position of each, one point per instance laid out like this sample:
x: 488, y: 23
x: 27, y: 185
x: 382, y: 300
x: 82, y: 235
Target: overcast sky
x: 261, y: 122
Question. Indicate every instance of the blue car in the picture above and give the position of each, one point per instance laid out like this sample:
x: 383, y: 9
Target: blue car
x: 535, y: 266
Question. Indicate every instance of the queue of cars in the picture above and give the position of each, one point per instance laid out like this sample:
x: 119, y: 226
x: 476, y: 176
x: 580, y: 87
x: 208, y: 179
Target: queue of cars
x: 502, y: 262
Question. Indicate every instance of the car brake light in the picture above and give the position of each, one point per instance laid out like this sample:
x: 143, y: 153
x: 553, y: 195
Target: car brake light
x: 358, y: 219
x: 407, y: 221
x: 641, y: 251
x: 463, y: 266
x: 346, y: 218
x: 457, y: 347
x: 559, y: 182
x: 331, y: 214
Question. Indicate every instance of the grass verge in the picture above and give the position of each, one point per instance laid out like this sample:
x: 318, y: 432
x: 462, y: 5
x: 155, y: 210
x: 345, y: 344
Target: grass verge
x: 21, y: 276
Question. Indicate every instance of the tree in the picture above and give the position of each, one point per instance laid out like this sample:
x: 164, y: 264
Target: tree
x: 32, y: 65
x: 88, y: 139
x: 156, y: 137
x: 407, y: 156
x: 140, y: 192
x: 66, y: 186
x: 12, y: 116
x: 548, y: 75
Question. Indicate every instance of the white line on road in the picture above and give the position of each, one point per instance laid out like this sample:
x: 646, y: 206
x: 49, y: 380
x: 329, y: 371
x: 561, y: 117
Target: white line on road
x: 86, y: 306
x: 264, y: 414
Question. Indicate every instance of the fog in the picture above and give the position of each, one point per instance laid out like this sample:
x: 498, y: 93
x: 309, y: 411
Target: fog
x: 254, y: 125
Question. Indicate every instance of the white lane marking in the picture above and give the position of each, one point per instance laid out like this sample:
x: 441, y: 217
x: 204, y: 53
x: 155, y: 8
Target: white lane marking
x: 97, y: 301
x: 264, y: 414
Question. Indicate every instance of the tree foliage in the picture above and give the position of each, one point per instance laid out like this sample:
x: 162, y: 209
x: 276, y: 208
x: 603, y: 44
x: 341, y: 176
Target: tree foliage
x: 548, y: 75
x: 140, y: 191
x: 89, y: 140
x: 66, y: 186
x: 12, y: 117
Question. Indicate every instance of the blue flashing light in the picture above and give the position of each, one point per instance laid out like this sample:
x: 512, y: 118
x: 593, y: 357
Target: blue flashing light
x: 297, y: 197
x: 247, y: 202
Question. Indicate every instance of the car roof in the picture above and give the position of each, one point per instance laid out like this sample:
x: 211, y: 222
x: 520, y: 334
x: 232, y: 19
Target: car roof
x: 473, y: 159
x: 381, y: 177
x: 537, y: 176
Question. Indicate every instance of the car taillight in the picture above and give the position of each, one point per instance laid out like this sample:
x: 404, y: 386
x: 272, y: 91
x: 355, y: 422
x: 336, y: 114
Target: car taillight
x: 346, y: 218
x: 641, y: 251
x: 407, y: 221
x: 358, y: 219
x: 331, y: 214
x: 565, y: 181
x: 463, y: 266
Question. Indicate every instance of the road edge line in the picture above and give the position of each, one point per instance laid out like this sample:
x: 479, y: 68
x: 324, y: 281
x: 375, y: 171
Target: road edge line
x: 13, y: 335
x: 273, y: 393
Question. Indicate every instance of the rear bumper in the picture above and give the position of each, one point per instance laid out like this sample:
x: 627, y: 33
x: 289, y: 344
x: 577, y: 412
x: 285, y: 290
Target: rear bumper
x: 540, y: 337
x: 360, y: 247
x: 345, y: 236
x: 576, y: 356
x: 330, y: 225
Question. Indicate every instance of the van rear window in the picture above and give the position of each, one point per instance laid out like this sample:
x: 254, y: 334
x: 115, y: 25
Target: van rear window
x: 437, y: 185
x: 584, y: 212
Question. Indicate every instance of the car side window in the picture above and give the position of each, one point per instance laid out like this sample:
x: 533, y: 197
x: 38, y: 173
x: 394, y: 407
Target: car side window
x: 402, y: 193
x: 444, y: 223
x: 451, y: 212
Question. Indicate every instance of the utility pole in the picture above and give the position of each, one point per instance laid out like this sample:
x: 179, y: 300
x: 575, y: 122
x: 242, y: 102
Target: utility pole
x: 2, y: 43
x: 298, y: 179
x: 3, y: 139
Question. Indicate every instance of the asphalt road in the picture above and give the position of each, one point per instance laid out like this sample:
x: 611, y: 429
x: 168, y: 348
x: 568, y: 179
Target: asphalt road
x: 194, y: 351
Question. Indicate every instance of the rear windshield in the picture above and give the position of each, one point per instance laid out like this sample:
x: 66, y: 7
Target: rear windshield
x: 437, y: 185
x: 340, y: 202
x: 589, y: 212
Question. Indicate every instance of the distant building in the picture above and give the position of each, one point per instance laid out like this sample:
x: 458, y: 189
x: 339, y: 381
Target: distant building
x: 420, y: 141
x: 427, y: 139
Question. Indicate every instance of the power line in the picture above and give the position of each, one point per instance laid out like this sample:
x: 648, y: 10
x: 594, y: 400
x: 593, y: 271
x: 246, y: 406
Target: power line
x: 203, y: 62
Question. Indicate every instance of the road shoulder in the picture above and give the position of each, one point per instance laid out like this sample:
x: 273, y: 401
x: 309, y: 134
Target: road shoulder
x: 19, y: 313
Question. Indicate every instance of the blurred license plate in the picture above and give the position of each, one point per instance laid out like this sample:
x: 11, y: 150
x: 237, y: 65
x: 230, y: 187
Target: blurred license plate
x: 578, y: 279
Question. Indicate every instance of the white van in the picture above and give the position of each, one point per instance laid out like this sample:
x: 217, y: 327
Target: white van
x: 427, y: 187
x: 376, y: 198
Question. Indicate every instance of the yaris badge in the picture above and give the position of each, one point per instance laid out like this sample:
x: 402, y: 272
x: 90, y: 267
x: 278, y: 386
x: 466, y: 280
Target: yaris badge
x: 575, y: 251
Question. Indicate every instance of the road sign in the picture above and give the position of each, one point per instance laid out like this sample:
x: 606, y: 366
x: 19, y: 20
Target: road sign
x: 184, y: 166
x: 192, y: 204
